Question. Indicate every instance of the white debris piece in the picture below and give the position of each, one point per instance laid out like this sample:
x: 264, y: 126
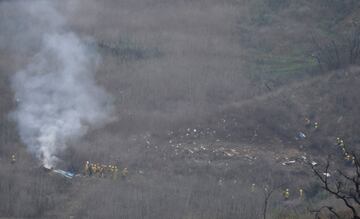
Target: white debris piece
x: 234, y: 151
x: 228, y: 154
x: 288, y: 162
x: 313, y: 163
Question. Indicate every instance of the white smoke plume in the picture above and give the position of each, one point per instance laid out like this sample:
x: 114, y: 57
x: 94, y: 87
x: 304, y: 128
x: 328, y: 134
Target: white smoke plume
x: 58, y: 98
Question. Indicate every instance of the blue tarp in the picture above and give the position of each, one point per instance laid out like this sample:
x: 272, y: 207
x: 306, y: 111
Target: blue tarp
x: 64, y: 173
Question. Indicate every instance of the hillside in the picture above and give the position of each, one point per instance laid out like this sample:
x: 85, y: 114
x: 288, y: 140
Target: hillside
x: 205, y: 103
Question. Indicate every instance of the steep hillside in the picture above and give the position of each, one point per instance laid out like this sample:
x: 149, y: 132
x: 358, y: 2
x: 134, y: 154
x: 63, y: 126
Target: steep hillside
x: 213, y: 102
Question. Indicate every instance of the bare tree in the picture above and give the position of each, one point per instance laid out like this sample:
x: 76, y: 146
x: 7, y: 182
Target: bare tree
x: 267, y: 195
x: 268, y: 191
x: 344, y: 184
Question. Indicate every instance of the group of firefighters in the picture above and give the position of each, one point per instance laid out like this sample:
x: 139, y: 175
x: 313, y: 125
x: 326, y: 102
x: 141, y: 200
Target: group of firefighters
x: 95, y: 169
x: 309, y: 124
x: 339, y: 141
x: 348, y: 157
x: 102, y: 170
x: 285, y: 193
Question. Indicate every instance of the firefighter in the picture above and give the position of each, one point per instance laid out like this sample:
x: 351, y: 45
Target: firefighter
x: 301, y: 193
x: 93, y: 169
x: 98, y: 167
x: 316, y: 125
x: 307, y: 122
x: 286, y: 194
x: 13, y: 159
x: 343, y: 150
x: 124, y: 173
x: 115, y: 172
x: 253, y: 187
x: 106, y: 170
x: 101, y: 171
x: 342, y: 144
x: 347, y: 157
x: 109, y: 168
x: 87, y: 168
x: 112, y: 171
x: 338, y: 141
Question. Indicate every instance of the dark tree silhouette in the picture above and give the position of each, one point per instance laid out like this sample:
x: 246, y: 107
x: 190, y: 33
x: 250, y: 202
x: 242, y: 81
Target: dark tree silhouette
x: 343, y: 184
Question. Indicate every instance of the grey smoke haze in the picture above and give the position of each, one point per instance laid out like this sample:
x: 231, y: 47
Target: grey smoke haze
x: 57, y: 96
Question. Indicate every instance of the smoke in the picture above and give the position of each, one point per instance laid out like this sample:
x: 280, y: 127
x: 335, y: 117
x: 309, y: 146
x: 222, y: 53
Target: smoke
x: 57, y: 96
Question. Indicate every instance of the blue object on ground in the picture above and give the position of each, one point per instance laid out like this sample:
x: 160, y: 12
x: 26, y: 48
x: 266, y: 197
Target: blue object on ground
x: 301, y: 135
x: 64, y: 173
